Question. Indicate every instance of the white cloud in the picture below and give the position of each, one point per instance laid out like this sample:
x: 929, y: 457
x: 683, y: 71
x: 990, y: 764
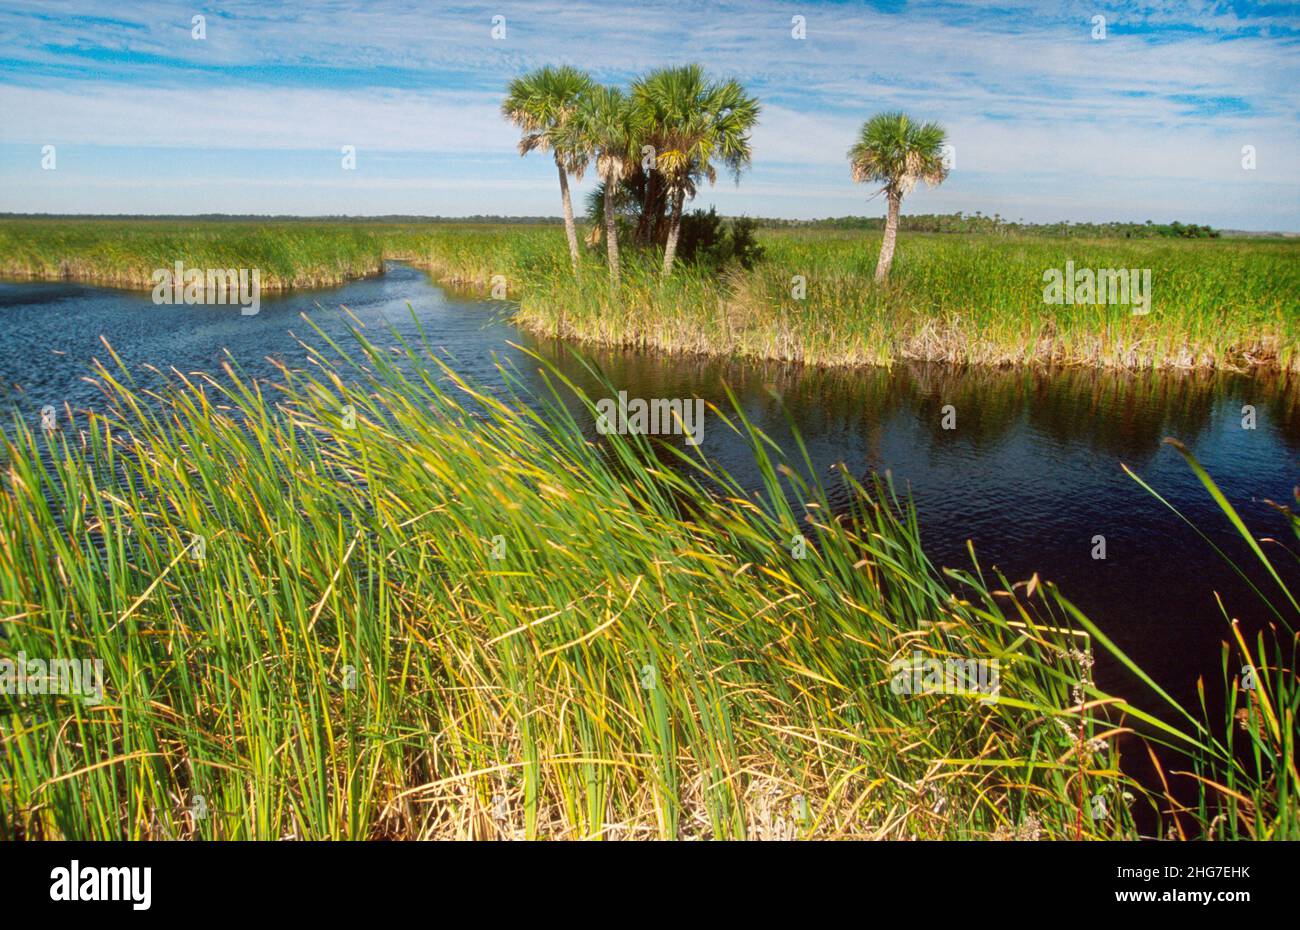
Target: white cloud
x: 254, y: 118
x: 1151, y: 118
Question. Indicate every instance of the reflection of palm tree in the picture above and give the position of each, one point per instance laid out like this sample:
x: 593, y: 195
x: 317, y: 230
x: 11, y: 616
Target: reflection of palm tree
x: 1115, y: 415
x: 541, y: 103
x: 895, y: 151
x: 692, y: 123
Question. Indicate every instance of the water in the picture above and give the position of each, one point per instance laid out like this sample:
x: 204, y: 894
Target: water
x: 1031, y: 474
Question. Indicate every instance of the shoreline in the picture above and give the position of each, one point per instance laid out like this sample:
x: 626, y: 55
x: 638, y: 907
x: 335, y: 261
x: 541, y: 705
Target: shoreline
x: 1230, y: 306
x: 995, y: 357
x: 130, y: 281
x: 998, y: 358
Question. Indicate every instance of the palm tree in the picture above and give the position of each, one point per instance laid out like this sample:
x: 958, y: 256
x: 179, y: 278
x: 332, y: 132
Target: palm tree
x: 541, y: 103
x: 602, y: 128
x: 895, y: 151
x: 693, y: 123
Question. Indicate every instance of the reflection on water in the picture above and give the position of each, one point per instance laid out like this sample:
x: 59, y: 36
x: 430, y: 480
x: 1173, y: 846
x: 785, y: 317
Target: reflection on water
x: 1031, y: 474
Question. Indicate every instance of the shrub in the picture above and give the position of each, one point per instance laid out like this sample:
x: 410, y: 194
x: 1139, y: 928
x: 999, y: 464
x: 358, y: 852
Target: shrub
x: 707, y: 240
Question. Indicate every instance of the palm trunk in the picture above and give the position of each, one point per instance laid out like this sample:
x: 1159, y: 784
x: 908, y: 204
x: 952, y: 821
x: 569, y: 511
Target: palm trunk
x: 662, y: 214
x: 569, y: 229
x: 611, y: 232
x: 644, y: 224
x: 674, y: 229
x: 887, y: 245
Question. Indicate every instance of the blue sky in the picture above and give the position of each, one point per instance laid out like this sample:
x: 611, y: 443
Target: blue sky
x: 1048, y: 123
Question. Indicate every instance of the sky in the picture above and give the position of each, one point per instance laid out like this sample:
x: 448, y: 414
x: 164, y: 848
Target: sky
x: 1047, y: 122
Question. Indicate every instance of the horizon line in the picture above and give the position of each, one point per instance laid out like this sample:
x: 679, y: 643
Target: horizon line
x: 541, y: 219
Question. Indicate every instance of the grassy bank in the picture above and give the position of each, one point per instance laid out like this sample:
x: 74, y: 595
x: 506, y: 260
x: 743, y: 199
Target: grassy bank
x: 126, y: 253
x: 452, y: 617
x: 974, y: 298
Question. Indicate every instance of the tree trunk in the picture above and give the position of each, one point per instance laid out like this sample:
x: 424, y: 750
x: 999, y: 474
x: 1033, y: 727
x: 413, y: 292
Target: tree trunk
x: 569, y: 229
x: 887, y: 244
x: 674, y: 229
x: 645, y: 224
x: 611, y: 232
x: 662, y: 209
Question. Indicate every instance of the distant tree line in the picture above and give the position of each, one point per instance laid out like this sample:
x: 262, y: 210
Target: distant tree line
x: 996, y: 224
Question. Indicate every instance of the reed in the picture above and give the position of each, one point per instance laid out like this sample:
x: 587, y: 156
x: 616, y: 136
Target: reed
x: 964, y: 299
x: 375, y: 601
x: 126, y: 253
x: 1216, y: 304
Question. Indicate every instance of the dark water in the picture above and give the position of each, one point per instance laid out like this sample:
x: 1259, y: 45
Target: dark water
x: 1031, y: 474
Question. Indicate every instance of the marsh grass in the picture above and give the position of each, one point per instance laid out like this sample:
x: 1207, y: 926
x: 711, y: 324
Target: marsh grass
x: 126, y: 253
x: 965, y: 299
x: 647, y: 658
x: 1227, y: 304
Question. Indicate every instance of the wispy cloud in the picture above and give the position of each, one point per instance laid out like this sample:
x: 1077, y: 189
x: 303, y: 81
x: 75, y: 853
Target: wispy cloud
x: 1147, y: 123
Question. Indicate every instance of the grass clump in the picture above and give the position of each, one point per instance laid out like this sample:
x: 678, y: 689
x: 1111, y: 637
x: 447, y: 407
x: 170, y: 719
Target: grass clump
x: 970, y: 299
x: 126, y: 253
x: 423, y: 610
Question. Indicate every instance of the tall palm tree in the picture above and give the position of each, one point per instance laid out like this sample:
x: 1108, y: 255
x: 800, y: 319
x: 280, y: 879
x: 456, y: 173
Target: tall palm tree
x: 541, y: 103
x: 602, y: 128
x: 696, y: 125
x: 895, y: 151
